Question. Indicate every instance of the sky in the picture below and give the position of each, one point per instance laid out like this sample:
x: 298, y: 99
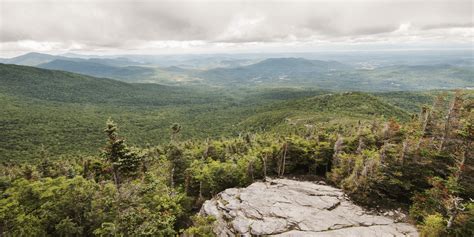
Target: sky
x: 250, y: 26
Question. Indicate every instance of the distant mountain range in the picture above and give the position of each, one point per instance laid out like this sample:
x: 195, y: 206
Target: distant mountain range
x: 36, y: 59
x: 273, y: 72
x: 116, y: 68
x: 31, y: 59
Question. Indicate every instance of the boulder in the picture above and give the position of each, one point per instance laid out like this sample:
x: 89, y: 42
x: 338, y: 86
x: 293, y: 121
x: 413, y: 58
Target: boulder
x: 282, y: 207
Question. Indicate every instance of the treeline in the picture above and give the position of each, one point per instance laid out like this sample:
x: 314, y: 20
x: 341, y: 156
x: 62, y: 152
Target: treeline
x: 424, y: 165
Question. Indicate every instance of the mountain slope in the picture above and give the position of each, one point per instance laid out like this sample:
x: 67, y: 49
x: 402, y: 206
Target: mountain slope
x: 65, y: 112
x: 335, y: 109
x: 60, y: 86
x: 93, y: 68
x: 32, y: 59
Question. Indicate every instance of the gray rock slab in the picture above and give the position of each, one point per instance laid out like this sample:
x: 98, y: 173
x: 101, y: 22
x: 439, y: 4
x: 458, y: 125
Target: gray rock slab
x: 283, y: 207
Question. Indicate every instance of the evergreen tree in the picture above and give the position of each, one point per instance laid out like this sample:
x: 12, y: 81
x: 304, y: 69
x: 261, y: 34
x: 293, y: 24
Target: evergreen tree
x: 125, y: 162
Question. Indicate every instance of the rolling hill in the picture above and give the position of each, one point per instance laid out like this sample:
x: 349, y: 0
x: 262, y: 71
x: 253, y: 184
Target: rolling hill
x: 224, y: 71
x: 31, y: 59
x: 60, y: 86
x: 417, y: 77
x: 93, y: 67
x: 64, y: 113
x: 273, y: 70
x: 332, y: 75
x: 35, y: 59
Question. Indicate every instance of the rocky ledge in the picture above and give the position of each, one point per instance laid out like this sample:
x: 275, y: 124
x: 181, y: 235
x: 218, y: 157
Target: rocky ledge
x: 283, y: 207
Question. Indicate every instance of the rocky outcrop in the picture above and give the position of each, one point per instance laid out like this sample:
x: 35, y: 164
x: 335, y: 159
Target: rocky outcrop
x: 285, y: 207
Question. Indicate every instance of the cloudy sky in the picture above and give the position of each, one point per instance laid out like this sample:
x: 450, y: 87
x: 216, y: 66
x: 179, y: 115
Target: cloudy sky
x: 193, y: 26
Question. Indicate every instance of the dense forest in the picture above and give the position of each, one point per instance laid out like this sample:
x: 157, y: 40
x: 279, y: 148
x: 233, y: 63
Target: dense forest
x: 63, y: 113
x: 381, y: 156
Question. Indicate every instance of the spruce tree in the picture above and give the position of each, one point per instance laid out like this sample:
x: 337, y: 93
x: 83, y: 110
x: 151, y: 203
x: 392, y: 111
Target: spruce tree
x: 125, y: 163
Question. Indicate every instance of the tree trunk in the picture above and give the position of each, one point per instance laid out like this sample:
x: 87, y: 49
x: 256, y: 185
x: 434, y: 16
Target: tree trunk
x: 172, y: 178
x: 250, y: 170
x: 360, y: 146
x: 264, y: 159
x: 447, y: 125
x: 427, y: 115
x: 116, y: 177
x: 284, y: 159
x: 404, y: 151
x: 200, y: 191
x: 451, y: 220
x: 383, y: 155
x: 453, y: 211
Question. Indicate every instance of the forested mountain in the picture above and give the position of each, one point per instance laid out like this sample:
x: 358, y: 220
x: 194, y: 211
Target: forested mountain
x: 97, y: 69
x: 270, y: 72
x: 419, y: 77
x: 63, y: 86
x: 30, y: 94
x: 31, y: 59
x: 35, y: 59
x: 332, y: 75
x: 273, y: 70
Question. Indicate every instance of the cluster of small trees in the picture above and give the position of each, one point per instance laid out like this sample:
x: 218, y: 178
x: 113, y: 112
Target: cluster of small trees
x: 426, y: 163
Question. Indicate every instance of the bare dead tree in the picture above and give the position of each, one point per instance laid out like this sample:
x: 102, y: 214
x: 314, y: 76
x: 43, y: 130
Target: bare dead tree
x: 337, y: 148
x: 403, y: 152
x: 455, y: 206
x: 451, y: 119
x: 361, y: 145
x: 264, y: 161
x: 285, y: 149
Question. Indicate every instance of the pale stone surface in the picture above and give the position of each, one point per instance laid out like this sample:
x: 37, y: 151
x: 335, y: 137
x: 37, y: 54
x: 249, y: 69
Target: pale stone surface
x: 283, y: 207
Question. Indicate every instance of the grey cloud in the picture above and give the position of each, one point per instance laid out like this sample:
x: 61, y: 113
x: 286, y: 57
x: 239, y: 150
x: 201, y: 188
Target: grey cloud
x: 448, y: 25
x: 376, y: 30
x: 105, y: 23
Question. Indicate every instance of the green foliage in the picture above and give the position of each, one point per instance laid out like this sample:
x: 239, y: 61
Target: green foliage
x: 70, y: 128
x: 433, y: 226
x: 202, y: 226
x: 376, y: 162
x: 55, y: 206
x: 464, y: 225
x: 80, y: 207
x: 125, y: 162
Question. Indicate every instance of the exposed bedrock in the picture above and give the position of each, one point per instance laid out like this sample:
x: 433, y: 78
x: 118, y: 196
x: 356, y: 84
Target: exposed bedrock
x: 283, y: 207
